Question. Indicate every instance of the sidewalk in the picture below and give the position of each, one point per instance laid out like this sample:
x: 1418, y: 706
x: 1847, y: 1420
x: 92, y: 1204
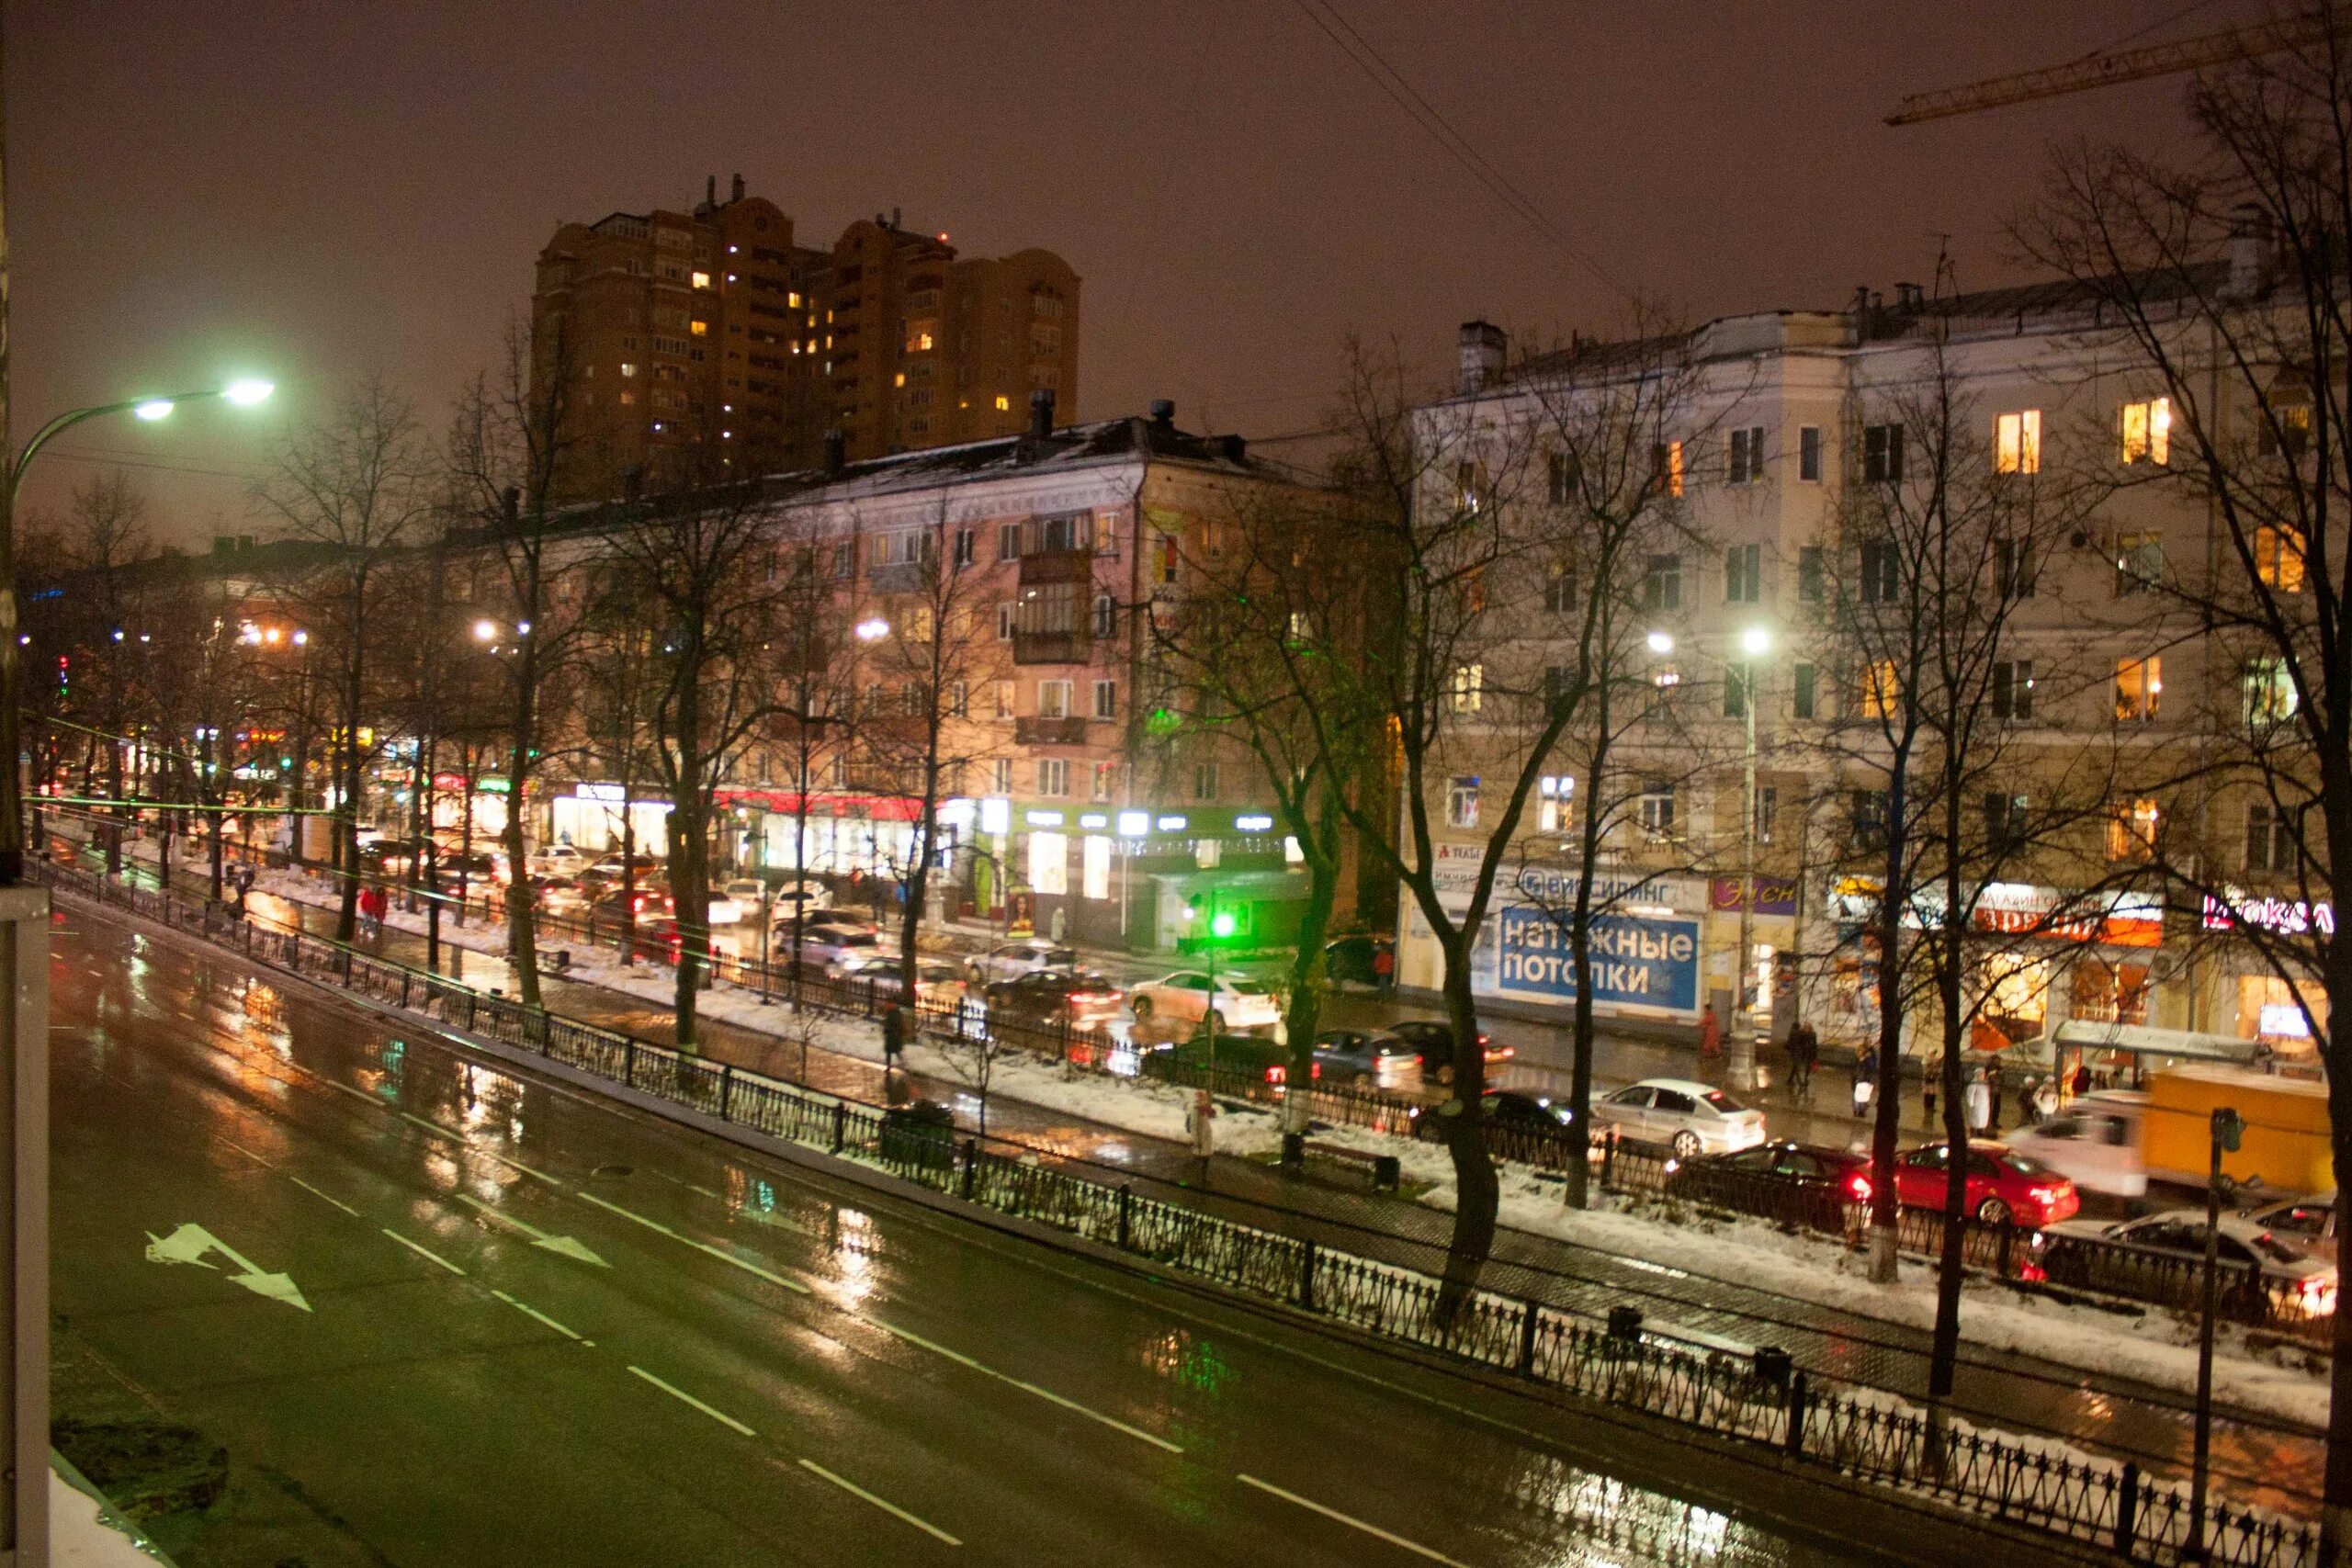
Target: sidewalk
x: 1704, y: 1299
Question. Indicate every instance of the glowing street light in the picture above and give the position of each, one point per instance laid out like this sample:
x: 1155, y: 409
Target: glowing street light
x: 872, y: 629
x: 152, y: 410
x: 1756, y: 641
x: 1661, y: 642
x: 485, y: 631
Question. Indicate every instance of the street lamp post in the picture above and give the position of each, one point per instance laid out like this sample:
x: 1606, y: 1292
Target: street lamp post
x: 1740, y: 1057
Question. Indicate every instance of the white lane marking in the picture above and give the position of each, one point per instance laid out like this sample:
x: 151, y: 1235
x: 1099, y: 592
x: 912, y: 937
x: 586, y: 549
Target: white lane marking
x: 689, y: 1185
x: 453, y: 1133
x: 433, y: 1126
x: 1044, y: 1394
x: 190, y: 1242
x: 1349, y: 1520
x: 518, y: 1164
x: 359, y: 1094
x: 257, y: 1159
x: 422, y: 1252
x: 721, y: 1416
x: 854, y: 1489
x: 772, y: 1276
x: 529, y: 1311
x: 563, y: 1245
x: 328, y: 1196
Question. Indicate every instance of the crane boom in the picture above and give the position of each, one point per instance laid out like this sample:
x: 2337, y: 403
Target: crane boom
x: 2124, y: 65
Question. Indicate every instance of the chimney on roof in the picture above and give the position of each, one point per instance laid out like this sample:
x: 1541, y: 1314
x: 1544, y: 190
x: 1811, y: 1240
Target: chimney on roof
x: 1909, y: 298
x: 1483, y: 347
x: 244, y: 541
x: 836, y: 450
x: 739, y: 190
x: 2251, y: 251
x: 1163, y: 413
x: 894, y: 218
x: 1861, y: 300
x: 709, y: 195
x: 1041, y: 413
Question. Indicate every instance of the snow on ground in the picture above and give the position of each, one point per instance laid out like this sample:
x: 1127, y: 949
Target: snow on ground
x: 82, y: 1536
x: 2147, y: 1344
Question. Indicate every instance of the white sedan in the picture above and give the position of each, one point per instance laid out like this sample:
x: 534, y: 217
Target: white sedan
x: 1011, y: 960
x: 1690, y: 1118
x: 1188, y: 997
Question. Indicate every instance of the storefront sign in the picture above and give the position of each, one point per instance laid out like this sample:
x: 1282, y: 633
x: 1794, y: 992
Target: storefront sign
x: 1774, y: 894
x: 2281, y: 917
x: 2113, y: 920
x: 1636, y: 961
x: 611, y: 792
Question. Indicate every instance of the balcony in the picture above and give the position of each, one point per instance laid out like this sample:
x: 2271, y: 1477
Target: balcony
x: 1049, y: 648
x: 896, y: 577
x: 1056, y: 566
x: 1033, y: 730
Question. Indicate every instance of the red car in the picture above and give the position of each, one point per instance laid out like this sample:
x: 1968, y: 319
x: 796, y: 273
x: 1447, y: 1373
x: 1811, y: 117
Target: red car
x: 2002, y: 1184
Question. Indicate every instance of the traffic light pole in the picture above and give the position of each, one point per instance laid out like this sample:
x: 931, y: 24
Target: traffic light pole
x: 2228, y: 1132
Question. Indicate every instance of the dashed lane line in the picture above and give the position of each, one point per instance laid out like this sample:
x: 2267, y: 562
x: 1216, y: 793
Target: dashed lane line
x: 422, y: 1252
x: 359, y: 1094
x: 451, y: 1132
x: 676, y: 1393
x: 264, y: 1163
x: 528, y: 1309
x: 771, y: 1276
x: 1351, y: 1521
x: 689, y: 1185
x: 1044, y: 1394
x: 434, y: 1127
x: 327, y: 1196
x: 896, y: 1512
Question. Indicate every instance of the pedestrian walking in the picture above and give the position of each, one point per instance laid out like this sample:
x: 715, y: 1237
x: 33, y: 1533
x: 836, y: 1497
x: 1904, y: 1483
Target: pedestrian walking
x: 2045, y: 1100
x: 1865, y: 1080
x: 1804, y: 1050
x: 1711, y: 1034
x: 894, y: 1037
x: 1931, y: 1075
x: 1977, y: 1103
x: 1200, y: 1123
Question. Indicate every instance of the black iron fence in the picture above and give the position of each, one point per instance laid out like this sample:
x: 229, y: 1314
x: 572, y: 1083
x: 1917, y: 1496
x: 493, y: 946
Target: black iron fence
x: 1758, y: 1399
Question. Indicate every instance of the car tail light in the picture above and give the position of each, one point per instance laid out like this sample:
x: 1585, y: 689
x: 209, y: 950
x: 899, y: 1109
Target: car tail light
x: 1314, y: 1069
x: 1858, y: 1187
x: 1502, y: 1053
x: 2048, y: 1193
x: 1275, y: 1074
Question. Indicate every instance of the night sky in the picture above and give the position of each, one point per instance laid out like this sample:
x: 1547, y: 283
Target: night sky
x: 317, y: 190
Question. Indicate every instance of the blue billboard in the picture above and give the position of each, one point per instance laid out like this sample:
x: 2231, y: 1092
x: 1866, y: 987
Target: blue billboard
x: 1637, y: 960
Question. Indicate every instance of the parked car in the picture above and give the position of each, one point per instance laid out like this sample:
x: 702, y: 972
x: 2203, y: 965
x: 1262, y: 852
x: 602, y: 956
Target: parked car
x: 389, y: 857
x: 1190, y: 997
x: 1357, y: 1056
x: 1249, y: 1056
x: 2095, y: 1143
x: 2289, y: 1273
x: 1009, y: 959
x: 1805, y: 1166
x: 1431, y: 1041
x: 1049, y: 999
x: 748, y: 891
x: 1689, y: 1118
x: 1361, y: 958
x: 938, y: 984
x: 2002, y: 1184
x: 2308, y: 1222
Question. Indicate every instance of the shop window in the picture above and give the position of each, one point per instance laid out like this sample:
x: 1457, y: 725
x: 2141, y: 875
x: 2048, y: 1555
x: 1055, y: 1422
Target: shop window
x: 1097, y: 866
x: 2271, y: 1009
x: 1048, y: 863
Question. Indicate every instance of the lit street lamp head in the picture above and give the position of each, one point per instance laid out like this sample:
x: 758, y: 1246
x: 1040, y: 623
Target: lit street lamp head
x: 152, y: 410
x: 485, y: 631
x: 1661, y: 642
x: 247, y: 391
x: 1754, y: 641
x: 873, y: 630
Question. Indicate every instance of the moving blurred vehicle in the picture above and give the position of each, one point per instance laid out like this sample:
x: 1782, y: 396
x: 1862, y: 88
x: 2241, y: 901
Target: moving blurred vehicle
x: 609, y: 869
x: 1505, y: 1111
x: 2288, y: 1273
x: 2002, y: 1184
x: 1007, y: 960
x: 1355, y: 1055
x: 1186, y: 1061
x: 556, y: 859
x: 802, y: 896
x: 837, y: 952
x: 1049, y: 998
x: 1361, y: 958
x: 2307, y: 1221
x: 2094, y: 1141
x: 1190, y: 997
x: 563, y: 895
x: 1689, y: 1118
x: 650, y: 900
x: 938, y: 984
x: 1432, y: 1039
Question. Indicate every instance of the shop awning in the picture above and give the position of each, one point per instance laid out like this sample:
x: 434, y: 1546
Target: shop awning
x: 2141, y: 1040
x: 783, y: 802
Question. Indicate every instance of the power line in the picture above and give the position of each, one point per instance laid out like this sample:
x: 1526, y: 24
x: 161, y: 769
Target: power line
x: 107, y: 462
x: 1406, y: 96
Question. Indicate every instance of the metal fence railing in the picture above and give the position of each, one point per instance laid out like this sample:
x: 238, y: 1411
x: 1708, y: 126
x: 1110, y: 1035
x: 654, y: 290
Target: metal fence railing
x: 1758, y: 1399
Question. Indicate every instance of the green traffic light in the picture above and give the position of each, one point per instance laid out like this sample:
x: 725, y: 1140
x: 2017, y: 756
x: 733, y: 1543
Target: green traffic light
x: 1221, y: 924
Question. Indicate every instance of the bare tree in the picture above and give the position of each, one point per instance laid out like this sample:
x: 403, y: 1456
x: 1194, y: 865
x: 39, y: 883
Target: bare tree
x: 508, y: 446
x: 2226, y: 281
x: 356, y: 485
x: 105, y: 541
x: 813, y: 706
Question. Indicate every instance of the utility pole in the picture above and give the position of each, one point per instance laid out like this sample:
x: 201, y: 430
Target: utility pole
x: 2228, y: 1131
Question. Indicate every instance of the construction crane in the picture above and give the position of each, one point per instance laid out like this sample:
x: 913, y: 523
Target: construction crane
x: 2125, y: 65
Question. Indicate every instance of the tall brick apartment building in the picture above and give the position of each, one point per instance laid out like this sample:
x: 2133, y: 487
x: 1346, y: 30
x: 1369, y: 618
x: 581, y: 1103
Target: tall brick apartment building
x: 683, y: 329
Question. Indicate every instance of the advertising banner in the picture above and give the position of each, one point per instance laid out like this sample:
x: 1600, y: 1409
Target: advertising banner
x: 1637, y: 961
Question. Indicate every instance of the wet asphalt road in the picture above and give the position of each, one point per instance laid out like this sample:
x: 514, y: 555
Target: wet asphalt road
x: 480, y: 1319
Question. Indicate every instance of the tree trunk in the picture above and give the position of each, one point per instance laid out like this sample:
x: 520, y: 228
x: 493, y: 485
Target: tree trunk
x: 522, y: 925
x: 1478, y: 1192
x: 1887, y: 1103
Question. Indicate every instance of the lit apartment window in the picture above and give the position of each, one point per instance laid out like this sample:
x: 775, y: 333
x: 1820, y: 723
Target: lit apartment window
x: 702, y: 281
x: 2269, y: 692
x: 1666, y: 466
x: 792, y: 299
x: 1555, y: 792
x: 2147, y: 431
x: 1881, y: 690
x: 1656, y: 808
x: 899, y: 379
x: 1469, y: 687
x: 2139, y: 683
x: 2279, y: 558
x: 627, y: 369
x: 1002, y: 402
x: 698, y: 329
x: 2131, y: 831
x: 1461, y: 801
x: 2139, y: 562
x: 2017, y: 442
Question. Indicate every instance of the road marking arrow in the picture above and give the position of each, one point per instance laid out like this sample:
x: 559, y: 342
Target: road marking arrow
x: 191, y: 1242
x: 562, y: 1246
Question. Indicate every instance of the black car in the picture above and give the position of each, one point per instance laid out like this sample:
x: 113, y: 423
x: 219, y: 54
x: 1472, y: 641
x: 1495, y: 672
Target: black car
x: 1505, y: 1110
x: 1347, y: 1056
x: 1361, y: 958
x: 1805, y: 1167
x: 1250, y: 1055
x: 1432, y: 1040
x: 1049, y: 998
